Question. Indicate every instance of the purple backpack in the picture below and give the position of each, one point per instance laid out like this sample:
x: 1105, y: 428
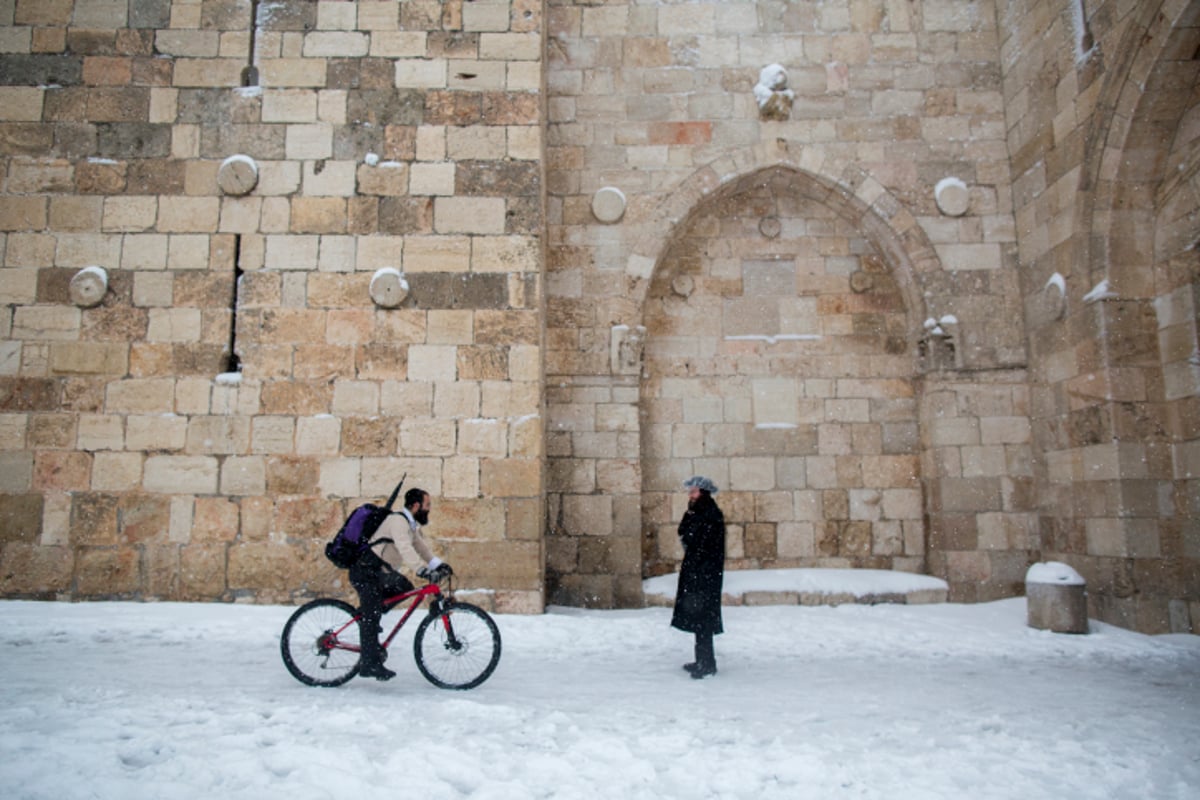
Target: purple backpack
x: 354, y: 537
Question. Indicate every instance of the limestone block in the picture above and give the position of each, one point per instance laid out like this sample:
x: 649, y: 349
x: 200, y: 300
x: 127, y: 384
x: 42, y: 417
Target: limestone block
x: 488, y: 16
x: 392, y: 179
x: 313, y: 141
x: 243, y: 475
x: 188, y: 43
x: 181, y: 474
x: 432, y: 363
x: 588, y: 515
x: 469, y: 215
x: 518, y: 602
x: 518, y: 46
x: 292, y: 252
x: 116, y: 472
x: 21, y: 103
x: 396, y: 44
x: 214, y: 72
x: 470, y: 142
x: 297, y: 72
x: 29, y: 569
x: 107, y: 572
x: 336, y: 44
x: 355, y: 397
x: 16, y: 472
x: 1056, y: 598
x: 435, y: 178
x: 218, y: 434
x: 335, y: 179
x: 476, y: 75
x: 379, y: 252
x: 483, y: 437
x: 421, y: 74
x: 23, y: 212
x: 174, y: 325
x: 89, y: 358
x: 524, y: 141
x: 189, y: 214
x: 526, y: 437
x: 46, y: 323
x: 437, y: 254
x: 158, y: 432
x: 460, y: 477
x: 428, y: 437
x: 318, y: 215
x: 771, y: 598
x: 340, y: 477
x: 129, y: 214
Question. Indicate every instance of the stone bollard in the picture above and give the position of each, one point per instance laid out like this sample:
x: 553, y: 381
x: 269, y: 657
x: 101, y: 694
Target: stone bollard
x: 1056, y: 596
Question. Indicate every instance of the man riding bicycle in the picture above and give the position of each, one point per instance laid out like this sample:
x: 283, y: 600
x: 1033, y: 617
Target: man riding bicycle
x: 376, y: 574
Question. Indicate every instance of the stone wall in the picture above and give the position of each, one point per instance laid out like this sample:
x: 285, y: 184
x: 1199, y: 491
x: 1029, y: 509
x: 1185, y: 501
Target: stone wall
x: 785, y: 351
x: 916, y: 281
x: 200, y: 431
x: 1102, y: 100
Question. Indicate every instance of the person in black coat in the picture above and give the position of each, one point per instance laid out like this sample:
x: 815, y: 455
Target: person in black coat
x: 698, y: 597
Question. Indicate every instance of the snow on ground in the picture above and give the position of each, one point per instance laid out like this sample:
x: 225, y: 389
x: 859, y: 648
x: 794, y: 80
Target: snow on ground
x: 125, y: 700
x: 824, y: 581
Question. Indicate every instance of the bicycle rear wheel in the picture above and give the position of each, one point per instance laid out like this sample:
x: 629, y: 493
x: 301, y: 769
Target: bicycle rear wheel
x: 458, y: 648
x: 320, y: 643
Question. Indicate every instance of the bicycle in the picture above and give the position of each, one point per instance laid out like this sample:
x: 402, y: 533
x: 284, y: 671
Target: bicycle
x: 457, y: 645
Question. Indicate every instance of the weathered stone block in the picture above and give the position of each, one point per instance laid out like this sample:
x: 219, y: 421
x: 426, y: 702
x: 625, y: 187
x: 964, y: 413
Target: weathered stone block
x: 28, y: 570
x: 109, y: 572
x: 181, y: 474
x: 116, y: 472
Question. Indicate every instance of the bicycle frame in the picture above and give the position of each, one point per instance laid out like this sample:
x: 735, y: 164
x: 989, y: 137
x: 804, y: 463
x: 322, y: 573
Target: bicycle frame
x: 428, y: 590
x: 416, y: 595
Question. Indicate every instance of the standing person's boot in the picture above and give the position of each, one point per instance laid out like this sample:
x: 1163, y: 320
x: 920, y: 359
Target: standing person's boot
x: 706, y: 660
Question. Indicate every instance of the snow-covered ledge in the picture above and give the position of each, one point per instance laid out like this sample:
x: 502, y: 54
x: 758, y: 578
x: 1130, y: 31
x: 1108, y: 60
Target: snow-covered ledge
x: 811, y: 587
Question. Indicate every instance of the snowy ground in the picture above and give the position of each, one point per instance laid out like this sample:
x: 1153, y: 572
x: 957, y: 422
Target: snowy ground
x: 110, y: 700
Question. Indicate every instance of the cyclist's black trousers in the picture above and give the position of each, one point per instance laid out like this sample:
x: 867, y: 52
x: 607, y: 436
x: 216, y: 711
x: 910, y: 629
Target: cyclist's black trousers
x: 374, y: 580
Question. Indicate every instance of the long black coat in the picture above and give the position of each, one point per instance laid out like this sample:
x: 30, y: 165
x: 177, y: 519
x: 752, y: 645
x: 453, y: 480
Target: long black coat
x: 698, y: 598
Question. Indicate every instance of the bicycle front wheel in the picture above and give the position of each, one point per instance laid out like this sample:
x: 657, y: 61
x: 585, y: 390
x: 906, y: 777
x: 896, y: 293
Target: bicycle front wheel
x: 320, y: 643
x: 458, y: 648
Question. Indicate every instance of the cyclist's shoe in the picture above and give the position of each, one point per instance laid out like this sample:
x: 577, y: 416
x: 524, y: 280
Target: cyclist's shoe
x: 377, y: 671
x: 703, y: 671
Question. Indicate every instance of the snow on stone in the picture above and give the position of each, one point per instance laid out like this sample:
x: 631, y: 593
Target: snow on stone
x: 771, y: 79
x: 1054, y: 572
x: 1101, y: 291
x: 854, y: 582
x: 383, y: 271
x: 946, y: 183
x: 241, y: 159
x: 774, y: 339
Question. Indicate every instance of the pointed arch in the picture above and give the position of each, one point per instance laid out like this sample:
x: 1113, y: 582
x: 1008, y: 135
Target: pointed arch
x: 846, y: 188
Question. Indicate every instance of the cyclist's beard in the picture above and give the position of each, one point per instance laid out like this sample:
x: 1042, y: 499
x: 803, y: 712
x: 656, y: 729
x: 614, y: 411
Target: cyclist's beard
x: 422, y: 517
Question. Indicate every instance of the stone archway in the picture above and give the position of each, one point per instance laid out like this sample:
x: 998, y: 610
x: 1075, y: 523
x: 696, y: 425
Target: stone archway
x: 781, y: 361
x: 1139, y: 277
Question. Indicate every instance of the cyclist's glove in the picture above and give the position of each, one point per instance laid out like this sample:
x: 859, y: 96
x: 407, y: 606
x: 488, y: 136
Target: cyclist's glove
x: 435, y: 575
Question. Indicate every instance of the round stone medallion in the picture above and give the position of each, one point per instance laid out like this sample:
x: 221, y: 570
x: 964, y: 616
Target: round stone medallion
x: 608, y: 204
x: 89, y: 286
x: 237, y: 175
x: 952, y: 196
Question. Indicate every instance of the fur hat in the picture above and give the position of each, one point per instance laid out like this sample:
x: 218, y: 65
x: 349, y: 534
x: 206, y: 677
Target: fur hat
x: 702, y: 483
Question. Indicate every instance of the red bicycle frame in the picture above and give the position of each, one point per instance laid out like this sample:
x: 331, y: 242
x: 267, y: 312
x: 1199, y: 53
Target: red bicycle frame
x: 417, y: 595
